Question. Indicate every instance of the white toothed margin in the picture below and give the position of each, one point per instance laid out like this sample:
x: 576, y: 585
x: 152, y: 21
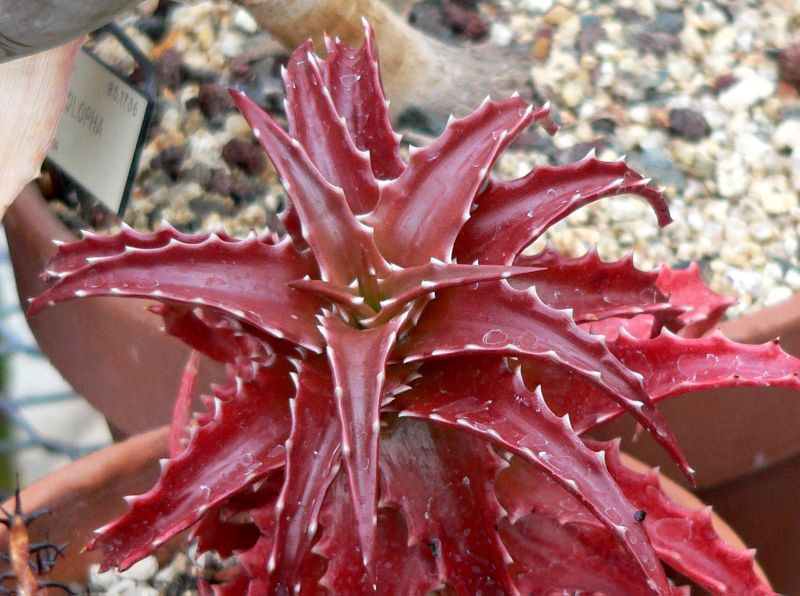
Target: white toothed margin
x: 104, y: 529
x: 81, y: 293
x: 442, y: 352
x: 572, y: 485
x: 529, y: 453
x: 592, y: 154
x: 271, y: 562
x: 163, y: 464
x: 637, y: 405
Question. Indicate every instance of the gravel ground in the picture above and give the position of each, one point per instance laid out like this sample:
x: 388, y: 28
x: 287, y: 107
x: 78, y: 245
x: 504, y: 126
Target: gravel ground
x: 690, y: 91
x: 697, y: 94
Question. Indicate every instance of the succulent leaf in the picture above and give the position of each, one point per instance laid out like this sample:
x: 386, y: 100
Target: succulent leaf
x: 246, y: 280
x: 442, y: 484
x: 510, y: 215
x: 230, y: 461
x: 182, y: 411
x: 594, y: 289
x: 401, y: 569
x: 684, y: 539
x: 343, y: 247
x: 579, y: 558
x: 685, y: 288
x: 71, y: 257
x: 215, y: 339
x: 354, y: 82
x: 496, y: 319
x: 486, y: 399
x: 357, y: 359
x: 419, y: 214
x: 404, y: 285
x: 313, y: 121
x: 312, y: 462
x: 673, y: 366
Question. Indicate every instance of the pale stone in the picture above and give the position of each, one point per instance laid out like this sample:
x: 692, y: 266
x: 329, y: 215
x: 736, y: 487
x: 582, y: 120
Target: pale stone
x: 749, y: 90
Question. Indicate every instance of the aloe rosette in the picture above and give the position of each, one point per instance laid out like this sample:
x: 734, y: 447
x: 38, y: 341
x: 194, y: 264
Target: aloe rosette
x: 408, y: 393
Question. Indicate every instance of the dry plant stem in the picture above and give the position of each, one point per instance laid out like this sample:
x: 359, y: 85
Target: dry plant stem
x: 33, y: 92
x: 418, y: 71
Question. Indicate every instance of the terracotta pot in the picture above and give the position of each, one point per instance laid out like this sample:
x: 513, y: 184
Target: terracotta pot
x: 111, y: 351
x: 87, y: 494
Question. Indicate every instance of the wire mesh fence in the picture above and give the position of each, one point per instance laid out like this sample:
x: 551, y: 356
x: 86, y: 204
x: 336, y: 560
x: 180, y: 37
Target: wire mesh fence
x: 43, y: 423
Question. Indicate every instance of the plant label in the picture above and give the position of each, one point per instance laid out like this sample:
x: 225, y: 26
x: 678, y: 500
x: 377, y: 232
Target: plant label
x: 101, y: 132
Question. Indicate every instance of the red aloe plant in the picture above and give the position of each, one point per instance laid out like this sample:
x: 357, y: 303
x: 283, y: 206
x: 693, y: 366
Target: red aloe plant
x: 407, y: 393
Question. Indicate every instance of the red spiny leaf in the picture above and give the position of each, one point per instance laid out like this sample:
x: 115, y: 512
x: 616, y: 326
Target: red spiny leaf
x: 344, y: 295
x: 229, y: 526
x: 256, y: 578
x: 567, y: 393
x: 403, y: 285
x: 343, y: 248
x: 420, y: 213
x: 358, y: 361
x: 217, y: 463
x: 314, y: 122
x: 193, y: 330
x: 496, y: 319
x: 484, y: 398
x: 312, y: 461
x: 641, y: 326
x: 247, y: 280
x: 400, y: 569
x: 73, y: 256
x: 594, y: 289
x: 512, y: 214
x: 686, y: 539
x: 685, y: 288
x: 673, y: 365
x: 441, y: 481
x: 182, y: 411
x: 570, y: 558
x: 354, y: 81
x: 523, y: 489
